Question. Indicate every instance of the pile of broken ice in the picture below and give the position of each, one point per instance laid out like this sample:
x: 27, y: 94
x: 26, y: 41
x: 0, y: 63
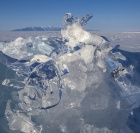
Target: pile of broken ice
x: 69, y: 76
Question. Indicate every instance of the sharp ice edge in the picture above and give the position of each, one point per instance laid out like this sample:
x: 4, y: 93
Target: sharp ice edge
x: 47, y: 64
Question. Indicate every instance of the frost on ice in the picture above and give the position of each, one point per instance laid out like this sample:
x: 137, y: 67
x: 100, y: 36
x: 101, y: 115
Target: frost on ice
x: 67, y: 83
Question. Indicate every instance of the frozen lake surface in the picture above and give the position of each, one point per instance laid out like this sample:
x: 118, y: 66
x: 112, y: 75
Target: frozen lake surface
x: 127, y: 40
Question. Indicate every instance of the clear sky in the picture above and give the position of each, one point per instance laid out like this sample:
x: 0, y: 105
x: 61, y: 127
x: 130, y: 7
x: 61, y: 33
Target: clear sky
x: 109, y: 15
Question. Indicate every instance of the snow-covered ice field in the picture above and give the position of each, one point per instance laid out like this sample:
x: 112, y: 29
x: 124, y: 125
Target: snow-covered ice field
x: 129, y: 41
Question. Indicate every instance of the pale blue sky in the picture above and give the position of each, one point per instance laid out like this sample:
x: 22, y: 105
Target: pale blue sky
x: 109, y: 15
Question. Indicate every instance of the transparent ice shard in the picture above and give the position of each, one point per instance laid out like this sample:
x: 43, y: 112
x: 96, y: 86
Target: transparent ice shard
x: 63, y: 69
x: 75, y: 34
x: 45, y: 48
x: 68, y: 19
x: 85, y: 19
x: 111, y: 64
x: 22, y: 48
x: 19, y: 121
x: 6, y: 82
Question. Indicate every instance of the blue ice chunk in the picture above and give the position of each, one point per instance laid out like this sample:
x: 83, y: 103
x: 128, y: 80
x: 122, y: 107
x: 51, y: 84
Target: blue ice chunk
x: 111, y: 64
x: 45, y: 49
x: 32, y: 66
x: 33, y: 75
x: 65, y: 71
x: 77, y: 48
